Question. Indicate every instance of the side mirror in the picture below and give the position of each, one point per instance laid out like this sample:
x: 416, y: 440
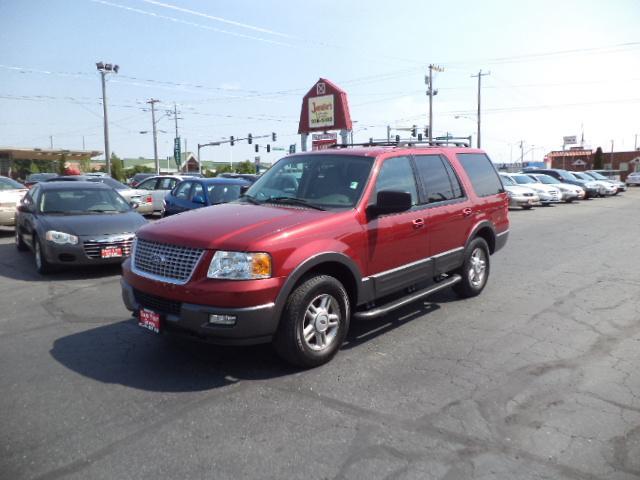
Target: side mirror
x: 199, y: 199
x: 134, y: 205
x: 390, y: 201
x: 24, y: 208
x: 243, y: 189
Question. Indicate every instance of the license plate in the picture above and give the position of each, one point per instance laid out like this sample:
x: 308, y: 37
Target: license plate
x: 111, y: 252
x: 149, y: 320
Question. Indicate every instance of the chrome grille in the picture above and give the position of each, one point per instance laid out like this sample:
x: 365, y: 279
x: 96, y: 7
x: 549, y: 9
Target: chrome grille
x: 170, y: 263
x: 93, y: 248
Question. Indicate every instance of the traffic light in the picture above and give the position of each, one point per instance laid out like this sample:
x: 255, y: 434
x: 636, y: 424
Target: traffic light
x: 292, y: 148
x: 426, y: 131
x: 250, y: 139
x: 420, y: 137
x: 273, y: 136
x: 268, y: 148
x: 414, y: 131
x: 257, y: 148
x: 397, y: 138
x: 232, y: 140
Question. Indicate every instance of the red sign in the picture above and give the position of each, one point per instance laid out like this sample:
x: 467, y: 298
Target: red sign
x: 323, y: 141
x: 324, y: 107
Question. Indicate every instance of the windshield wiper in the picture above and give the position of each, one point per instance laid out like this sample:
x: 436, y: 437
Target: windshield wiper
x: 251, y: 199
x: 293, y: 201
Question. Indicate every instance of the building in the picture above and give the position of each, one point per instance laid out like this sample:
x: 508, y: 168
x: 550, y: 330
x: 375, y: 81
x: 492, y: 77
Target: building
x: 16, y: 162
x: 580, y: 159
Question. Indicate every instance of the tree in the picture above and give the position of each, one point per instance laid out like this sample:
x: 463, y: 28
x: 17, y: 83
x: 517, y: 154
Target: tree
x: 598, y: 159
x: 246, y: 167
x: 62, y: 165
x: 85, y: 164
x: 224, y: 169
x: 117, y: 168
x: 33, y: 168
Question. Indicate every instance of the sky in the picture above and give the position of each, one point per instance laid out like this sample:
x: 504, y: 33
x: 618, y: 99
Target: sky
x: 234, y: 67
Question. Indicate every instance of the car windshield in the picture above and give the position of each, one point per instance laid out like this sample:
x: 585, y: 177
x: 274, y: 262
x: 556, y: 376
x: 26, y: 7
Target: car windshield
x: 597, y: 176
x: 82, y: 201
x: 222, y: 193
x: 522, y: 179
x: 315, y: 181
x: 39, y: 177
x: 109, y: 181
x: 507, y: 181
x: 9, y: 184
x: 581, y: 176
x: 546, y: 179
x: 567, y: 176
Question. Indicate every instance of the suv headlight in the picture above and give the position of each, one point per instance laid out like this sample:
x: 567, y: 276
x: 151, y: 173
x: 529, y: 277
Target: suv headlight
x: 239, y: 265
x: 61, y: 238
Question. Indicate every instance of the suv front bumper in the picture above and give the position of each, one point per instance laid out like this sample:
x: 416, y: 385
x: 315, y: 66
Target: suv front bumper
x: 253, y: 325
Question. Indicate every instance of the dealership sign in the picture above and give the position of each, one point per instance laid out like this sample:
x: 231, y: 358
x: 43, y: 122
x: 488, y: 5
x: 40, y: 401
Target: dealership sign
x: 571, y: 140
x: 322, y: 141
x: 324, y: 107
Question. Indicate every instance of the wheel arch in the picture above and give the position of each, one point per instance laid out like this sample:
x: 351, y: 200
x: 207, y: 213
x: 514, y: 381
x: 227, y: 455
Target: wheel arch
x: 486, y: 231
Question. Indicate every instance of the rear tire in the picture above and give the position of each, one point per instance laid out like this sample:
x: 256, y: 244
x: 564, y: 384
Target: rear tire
x: 527, y: 207
x: 475, y: 269
x: 314, y: 322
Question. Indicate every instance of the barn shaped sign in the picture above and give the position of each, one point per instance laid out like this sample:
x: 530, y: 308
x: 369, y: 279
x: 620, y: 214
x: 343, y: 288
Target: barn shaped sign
x: 324, y: 107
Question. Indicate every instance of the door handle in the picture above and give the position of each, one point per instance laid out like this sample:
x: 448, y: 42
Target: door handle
x: 418, y: 223
x: 467, y: 211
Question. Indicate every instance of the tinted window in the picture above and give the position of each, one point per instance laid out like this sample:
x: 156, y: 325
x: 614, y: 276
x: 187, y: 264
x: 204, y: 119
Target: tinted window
x: 80, y: 201
x: 439, y: 183
x: 396, y: 174
x: 481, y: 172
x: 182, y: 192
x: 197, y: 191
x: 220, y: 193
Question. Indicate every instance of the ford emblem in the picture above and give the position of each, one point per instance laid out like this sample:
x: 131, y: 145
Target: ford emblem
x: 158, y: 259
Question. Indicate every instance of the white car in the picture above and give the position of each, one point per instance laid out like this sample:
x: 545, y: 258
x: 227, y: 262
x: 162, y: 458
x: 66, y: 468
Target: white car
x: 547, y: 193
x: 519, y: 196
x: 11, y: 192
x: 569, y: 192
x: 606, y: 188
x: 158, y: 187
x: 621, y: 186
x: 633, y: 179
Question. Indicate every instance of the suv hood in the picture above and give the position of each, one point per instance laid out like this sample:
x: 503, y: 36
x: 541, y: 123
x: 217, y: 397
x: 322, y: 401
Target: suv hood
x: 228, y: 225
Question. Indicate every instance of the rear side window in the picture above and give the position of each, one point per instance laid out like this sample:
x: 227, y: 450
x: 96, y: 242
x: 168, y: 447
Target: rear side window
x: 482, y: 173
x: 437, y: 178
x: 182, y: 192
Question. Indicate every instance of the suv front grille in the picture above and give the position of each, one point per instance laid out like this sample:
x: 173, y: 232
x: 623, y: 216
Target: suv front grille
x: 170, y: 263
x: 157, y: 304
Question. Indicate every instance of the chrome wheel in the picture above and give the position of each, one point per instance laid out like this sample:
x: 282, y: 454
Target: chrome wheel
x: 38, y: 254
x: 321, y: 322
x: 477, y: 267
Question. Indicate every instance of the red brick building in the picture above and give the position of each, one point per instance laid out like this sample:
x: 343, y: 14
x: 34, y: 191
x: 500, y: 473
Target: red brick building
x: 580, y: 159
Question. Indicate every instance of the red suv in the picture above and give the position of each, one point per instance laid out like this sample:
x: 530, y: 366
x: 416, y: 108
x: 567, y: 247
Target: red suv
x: 320, y: 238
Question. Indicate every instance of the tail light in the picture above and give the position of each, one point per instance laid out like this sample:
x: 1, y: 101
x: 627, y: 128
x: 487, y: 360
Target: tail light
x: 149, y: 199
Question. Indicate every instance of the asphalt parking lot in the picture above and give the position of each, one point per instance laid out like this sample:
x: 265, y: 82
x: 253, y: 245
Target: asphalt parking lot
x: 536, y: 378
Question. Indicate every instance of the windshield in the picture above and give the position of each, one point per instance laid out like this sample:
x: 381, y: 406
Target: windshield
x: 79, y: 201
x: 9, y: 184
x: 38, y: 177
x: 316, y: 181
x: 222, y: 193
x: 597, y: 176
x: 581, y: 176
x: 547, y: 180
x: 522, y: 179
x: 109, y: 181
x: 507, y: 181
x: 567, y: 176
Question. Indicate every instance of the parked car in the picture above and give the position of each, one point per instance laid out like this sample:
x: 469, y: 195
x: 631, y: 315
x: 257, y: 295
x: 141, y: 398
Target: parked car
x: 546, y: 193
x: 591, y: 188
x: 519, y: 196
x: 34, y: 178
x: 196, y: 193
x: 11, y: 192
x: 141, y: 197
x: 569, y: 192
x: 621, y: 186
x: 75, y: 223
x: 138, y: 178
x: 633, y: 179
x: 320, y: 238
x: 158, y: 187
x: 606, y: 188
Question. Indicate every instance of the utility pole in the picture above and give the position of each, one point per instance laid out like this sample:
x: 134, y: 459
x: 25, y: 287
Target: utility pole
x: 51, y: 142
x: 105, y: 68
x: 611, y: 157
x: 635, y: 143
x: 153, y: 102
x: 431, y: 92
x: 389, y: 134
x: 479, y: 75
x: 521, y: 152
x: 83, y: 147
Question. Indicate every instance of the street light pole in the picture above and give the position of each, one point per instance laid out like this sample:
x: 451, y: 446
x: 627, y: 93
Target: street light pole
x: 105, y: 68
x: 479, y: 75
x: 431, y: 92
x: 155, y: 135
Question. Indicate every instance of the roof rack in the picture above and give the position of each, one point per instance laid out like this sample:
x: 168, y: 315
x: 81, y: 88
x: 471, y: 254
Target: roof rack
x: 438, y: 142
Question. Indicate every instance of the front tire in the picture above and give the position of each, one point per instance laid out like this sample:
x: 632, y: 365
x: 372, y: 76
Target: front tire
x: 475, y: 269
x: 42, y: 265
x: 20, y: 245
x: 314, y: 322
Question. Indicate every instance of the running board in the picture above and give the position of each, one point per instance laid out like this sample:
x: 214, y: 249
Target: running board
x: 401, y: 302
